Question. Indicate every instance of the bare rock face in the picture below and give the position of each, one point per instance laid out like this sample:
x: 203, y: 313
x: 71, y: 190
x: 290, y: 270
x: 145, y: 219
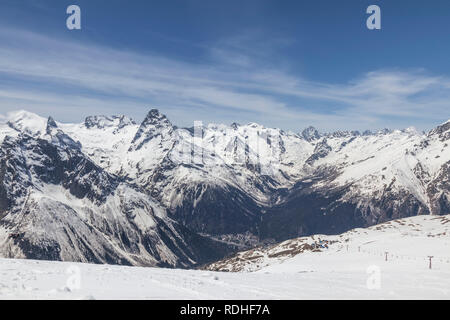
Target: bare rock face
x: 310, y: 134
x: 320, y: 151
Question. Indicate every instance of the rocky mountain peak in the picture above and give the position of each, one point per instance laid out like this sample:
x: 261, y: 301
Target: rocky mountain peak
x: 155, y: 124
x: 343, y: 134
x: 443, y: 131
x: 235, y: 125
x: 310, y: 134
x: 154, y: 117
x: 51, y: 124
x: 384, y: 131
x: 59, y: 138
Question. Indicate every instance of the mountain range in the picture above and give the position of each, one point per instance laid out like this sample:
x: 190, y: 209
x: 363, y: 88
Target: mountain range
x: 111, y: 190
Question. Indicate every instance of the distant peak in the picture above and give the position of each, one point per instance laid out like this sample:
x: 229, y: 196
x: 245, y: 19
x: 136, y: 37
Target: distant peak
x: 411, y: 130
x: 155, y: 124
x: 235, y: 125
x: 95, y: 121
x: 25, y: 121
x: 255, y: 125
x: 153, y: 113
x: 23, y: 116
x: 101, y: 121
x: 445, y: 125
x: 51, y: 124
x: 154, y: 117
x: 384, y: 131
x: 344, y: 134
x: 57, y: 137
x: 442, y: 130
x: 310, y: 134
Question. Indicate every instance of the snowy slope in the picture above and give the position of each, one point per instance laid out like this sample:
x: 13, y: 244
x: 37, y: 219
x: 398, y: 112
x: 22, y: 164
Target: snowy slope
x: 408, y: 240
x: 332, y: 274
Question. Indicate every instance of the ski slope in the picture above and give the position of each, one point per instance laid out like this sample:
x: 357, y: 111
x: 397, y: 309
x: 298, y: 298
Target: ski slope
x: 359, y: 271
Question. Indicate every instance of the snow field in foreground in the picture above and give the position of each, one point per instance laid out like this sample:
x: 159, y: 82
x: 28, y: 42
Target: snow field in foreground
x: 312, y: 276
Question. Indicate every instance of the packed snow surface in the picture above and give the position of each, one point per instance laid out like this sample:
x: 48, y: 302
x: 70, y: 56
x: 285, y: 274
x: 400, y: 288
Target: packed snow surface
x: 348, y: 269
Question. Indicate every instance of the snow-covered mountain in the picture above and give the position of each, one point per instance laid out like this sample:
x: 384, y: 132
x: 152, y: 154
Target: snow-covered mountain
x: 358, y: 180
x: 57, y: 204
x: 153, y: 193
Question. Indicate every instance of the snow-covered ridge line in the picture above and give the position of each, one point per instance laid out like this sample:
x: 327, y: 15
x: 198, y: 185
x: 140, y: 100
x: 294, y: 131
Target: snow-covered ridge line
x: 284, y: 157
x: 238, y: 184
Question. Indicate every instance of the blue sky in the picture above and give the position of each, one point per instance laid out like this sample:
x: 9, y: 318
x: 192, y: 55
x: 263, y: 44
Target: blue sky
x: 286, y: 64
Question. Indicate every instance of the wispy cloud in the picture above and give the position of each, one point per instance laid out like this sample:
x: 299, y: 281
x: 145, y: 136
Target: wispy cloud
x: 65, y: 79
